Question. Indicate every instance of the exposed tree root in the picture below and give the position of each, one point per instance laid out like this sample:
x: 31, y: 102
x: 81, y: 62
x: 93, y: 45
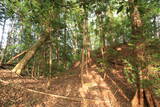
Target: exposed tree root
x: 144, y: 98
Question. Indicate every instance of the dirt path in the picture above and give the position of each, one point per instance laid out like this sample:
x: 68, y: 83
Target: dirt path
x: 95, y: 87
x: 63, y: 91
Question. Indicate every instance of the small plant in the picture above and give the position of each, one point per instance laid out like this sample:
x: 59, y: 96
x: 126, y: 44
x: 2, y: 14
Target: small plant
x: 102, y: 65
x: 130, y: 72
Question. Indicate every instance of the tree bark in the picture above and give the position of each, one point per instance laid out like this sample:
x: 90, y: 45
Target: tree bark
x: 102, y: 36
x: 50, y: 59
x: 20, y: 66
x: 3, y: 32
x: 1, y: 42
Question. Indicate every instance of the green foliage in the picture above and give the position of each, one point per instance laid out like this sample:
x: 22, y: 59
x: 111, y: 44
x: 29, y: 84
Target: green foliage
x: 57, y: 68
x: 130, y: 72
x: 113, y: 52
x: 147, y: 83
x: 102, y: 65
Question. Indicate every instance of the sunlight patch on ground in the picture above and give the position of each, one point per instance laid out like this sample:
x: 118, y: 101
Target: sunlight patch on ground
x: 96, y: 88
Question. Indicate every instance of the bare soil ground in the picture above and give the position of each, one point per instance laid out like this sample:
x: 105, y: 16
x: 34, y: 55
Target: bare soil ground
x: 108, y: 89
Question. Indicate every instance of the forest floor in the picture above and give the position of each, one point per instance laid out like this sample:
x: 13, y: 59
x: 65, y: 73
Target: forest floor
x: 101, y: 87
x: 109, y: 89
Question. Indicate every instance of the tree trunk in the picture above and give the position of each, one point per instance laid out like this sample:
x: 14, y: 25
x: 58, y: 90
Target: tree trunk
x: 9, y: 39
x: 87, y: 41
x: 143, y: 96
x: 57, y: 54
x: 19, y: 67
x: 65, y: 47
x: 1, y: 42
x: 101, y: 32
x: 57, y: 50
x: 102, y: 36
x: 4, y: 51
x: 3, y: 31
x: 50, y: 59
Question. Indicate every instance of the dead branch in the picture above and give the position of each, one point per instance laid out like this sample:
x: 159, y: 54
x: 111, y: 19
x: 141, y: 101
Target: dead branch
x: 15, y: 57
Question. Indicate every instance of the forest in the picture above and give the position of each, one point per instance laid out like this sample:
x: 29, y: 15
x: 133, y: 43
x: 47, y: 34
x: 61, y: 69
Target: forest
x: 79, y: 53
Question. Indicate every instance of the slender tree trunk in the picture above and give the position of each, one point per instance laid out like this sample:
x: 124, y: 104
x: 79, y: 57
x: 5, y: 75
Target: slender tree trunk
x: 1, y: 42
x: 86, y: 56
x: 102, y: 36
x: 57, y: 53
x: 5, y: 49
x: 33, y: 67
x: 82, y: 66
x: 9, y: 38
x: 57, y: 50
x: 101, y: 32
x: 3, y: 31
x: 155, y: 27
x: 65, y: 47
x: 19, y: 67
x: 88, y: 59
x: 83, y: 61
x: 50, y: 59
x: 50, y: 66
x: 87, y: 40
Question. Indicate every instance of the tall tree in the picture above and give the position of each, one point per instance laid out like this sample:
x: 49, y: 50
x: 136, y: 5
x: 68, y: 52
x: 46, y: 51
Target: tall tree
x: 143, y: 96
x: 51, y: 16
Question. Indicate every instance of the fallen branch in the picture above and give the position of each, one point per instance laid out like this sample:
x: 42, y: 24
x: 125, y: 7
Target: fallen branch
x: 15, y: 57
x: 65, y: 97
x: 6, y: 66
